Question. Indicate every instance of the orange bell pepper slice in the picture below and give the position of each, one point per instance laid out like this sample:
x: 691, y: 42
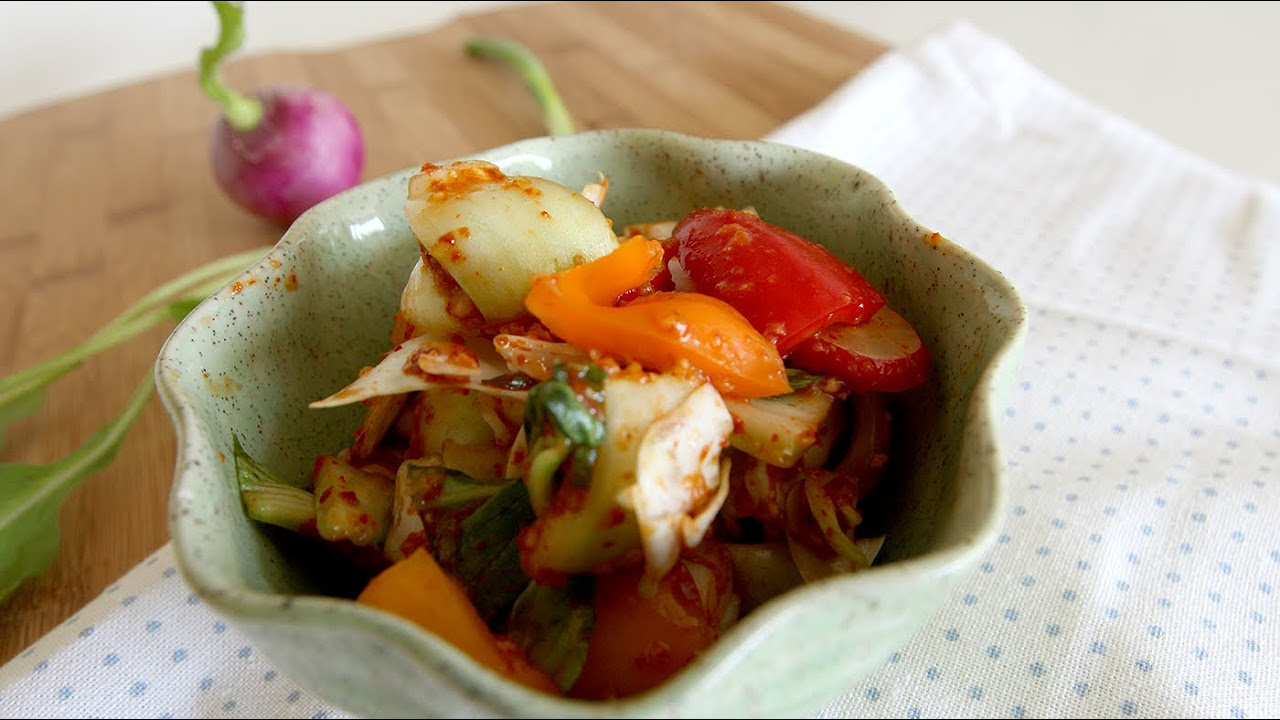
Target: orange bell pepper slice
x: 660, y: 330
x: 417, y: 588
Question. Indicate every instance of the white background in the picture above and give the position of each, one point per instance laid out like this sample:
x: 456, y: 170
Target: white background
x: 1205, y: 75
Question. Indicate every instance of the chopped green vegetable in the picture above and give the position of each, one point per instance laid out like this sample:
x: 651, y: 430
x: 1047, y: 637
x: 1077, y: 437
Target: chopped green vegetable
x: 532, y: 72
x: 561, y: 425
x: 279, y: 504
x: 637, y: 475
x: 269, y: 499
x: 454, y: 489
x: 488, y: 556
x: 553, y: 625
x: 471, y: 527
x: 440, y: 499
x: 554, y: 400
x: 545, y: 459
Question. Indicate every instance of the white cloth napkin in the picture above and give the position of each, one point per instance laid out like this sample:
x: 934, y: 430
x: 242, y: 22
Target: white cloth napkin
x: 1138, y: 571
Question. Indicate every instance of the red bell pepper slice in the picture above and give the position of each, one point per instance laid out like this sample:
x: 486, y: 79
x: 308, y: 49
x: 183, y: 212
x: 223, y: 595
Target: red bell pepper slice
x: 788, y: 287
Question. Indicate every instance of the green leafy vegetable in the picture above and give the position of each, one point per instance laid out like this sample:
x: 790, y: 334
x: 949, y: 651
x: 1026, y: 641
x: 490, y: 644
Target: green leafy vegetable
x: 546, y: 455
x: 488, y: 556
x: 553, y: 625
x: 532, y: 72
x: 31, y: 496
x: 561, y: 428
x: 442, y: 498
x: 555, y: 400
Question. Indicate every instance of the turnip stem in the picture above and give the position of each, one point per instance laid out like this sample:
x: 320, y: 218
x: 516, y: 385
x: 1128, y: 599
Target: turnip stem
x: 243, y: 112
x: 533, y: 73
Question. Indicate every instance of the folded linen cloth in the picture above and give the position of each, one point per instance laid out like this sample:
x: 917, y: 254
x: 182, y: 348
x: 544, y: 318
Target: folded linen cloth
x: 1138, y: 570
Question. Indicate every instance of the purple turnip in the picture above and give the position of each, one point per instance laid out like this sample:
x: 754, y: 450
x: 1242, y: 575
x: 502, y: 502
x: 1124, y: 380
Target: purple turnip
x: 281, y: 150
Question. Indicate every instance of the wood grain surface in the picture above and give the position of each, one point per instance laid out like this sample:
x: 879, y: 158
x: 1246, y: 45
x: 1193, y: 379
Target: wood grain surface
x: 108, y: 195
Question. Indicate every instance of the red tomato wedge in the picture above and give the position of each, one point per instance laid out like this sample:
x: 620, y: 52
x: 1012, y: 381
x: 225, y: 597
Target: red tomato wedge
x: 884, y: 354
x: 788, y: 287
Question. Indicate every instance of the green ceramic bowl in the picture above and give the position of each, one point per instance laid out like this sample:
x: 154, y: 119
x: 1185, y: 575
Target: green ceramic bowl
x: 294, y: 326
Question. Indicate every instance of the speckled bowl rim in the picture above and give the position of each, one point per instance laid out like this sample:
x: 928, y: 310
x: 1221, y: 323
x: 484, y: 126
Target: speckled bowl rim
x: 470, y: 679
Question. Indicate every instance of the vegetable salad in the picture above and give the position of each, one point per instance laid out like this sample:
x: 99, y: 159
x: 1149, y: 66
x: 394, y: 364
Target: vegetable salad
x: 588, y: 451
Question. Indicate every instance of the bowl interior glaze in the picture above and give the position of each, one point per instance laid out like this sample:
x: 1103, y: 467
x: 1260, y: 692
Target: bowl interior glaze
x: 296, y: 325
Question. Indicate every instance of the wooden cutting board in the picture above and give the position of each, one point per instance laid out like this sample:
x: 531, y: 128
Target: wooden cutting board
x: 108, y: 195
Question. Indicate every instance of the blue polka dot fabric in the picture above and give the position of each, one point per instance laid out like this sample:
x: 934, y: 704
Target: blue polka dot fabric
x: 1138, y: 568
x: 1139, y: 564
x: 148, y: 648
